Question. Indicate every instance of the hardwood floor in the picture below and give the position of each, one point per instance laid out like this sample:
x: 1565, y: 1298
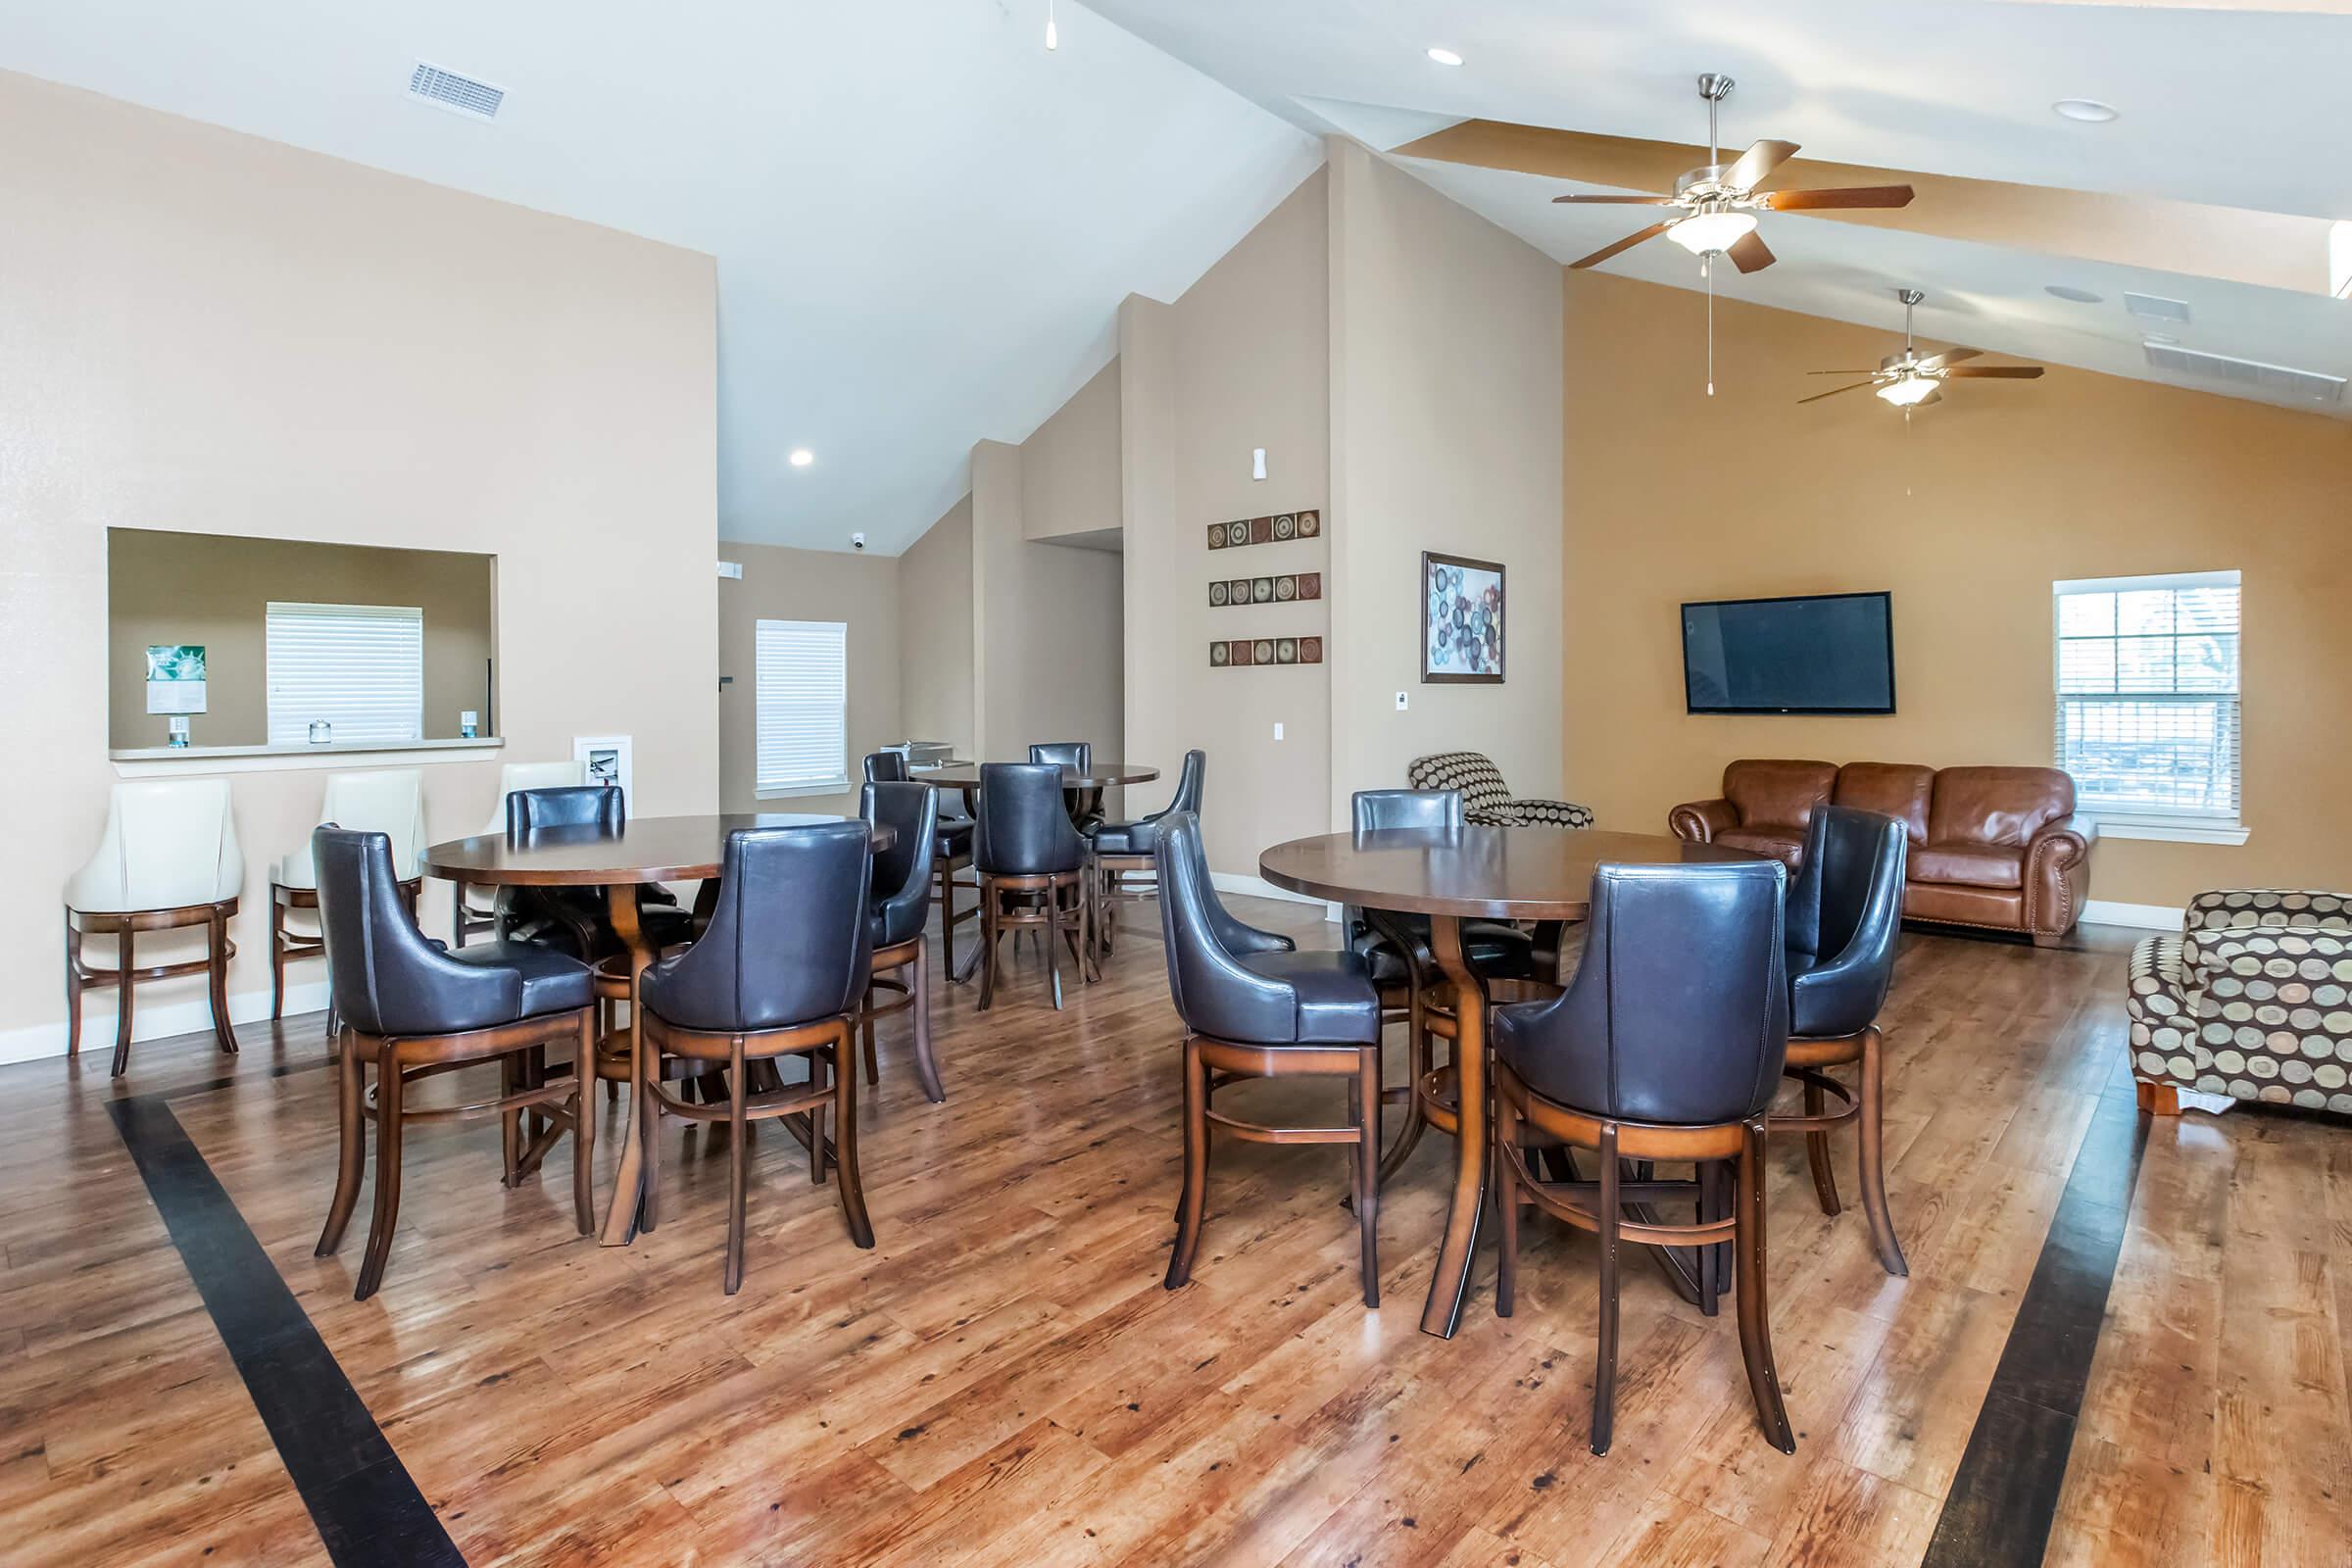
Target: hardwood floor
x: 1002, y: 1379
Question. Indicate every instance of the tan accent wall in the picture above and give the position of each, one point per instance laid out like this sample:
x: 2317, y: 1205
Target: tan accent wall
x: 780, y: 583
x: 210, y: 333
x: 1967, y: 517
x: 1071, y: 464
x: 1241, y: 360
x: 935, y: 633
x: 214, y: 590
x: 1446, y: 436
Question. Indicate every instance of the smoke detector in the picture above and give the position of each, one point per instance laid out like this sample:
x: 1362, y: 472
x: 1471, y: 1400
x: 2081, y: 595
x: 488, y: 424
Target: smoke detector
x: 459, y: 95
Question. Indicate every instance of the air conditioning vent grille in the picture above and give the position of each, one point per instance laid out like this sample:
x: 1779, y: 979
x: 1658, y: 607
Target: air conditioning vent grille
x: 445, y: 90
x: 2309, y: 385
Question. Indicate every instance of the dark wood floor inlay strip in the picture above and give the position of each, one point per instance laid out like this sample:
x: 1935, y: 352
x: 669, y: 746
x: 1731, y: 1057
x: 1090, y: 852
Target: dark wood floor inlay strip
x: 2005, y: 1493
x: 368, y: 1509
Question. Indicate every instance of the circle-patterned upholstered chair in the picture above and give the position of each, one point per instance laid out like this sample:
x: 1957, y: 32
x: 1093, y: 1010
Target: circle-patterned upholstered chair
x: 2253, y: 1001
x: 1486, y: 800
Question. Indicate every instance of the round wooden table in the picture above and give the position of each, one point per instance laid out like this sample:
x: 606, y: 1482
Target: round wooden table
x: 1452, y: 875
x: 647, y: 849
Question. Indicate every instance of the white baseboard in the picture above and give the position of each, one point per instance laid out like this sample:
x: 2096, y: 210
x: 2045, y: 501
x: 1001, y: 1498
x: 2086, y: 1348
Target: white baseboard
x: 2143, y: 917
x: 1258, y: 887
x: 152, y: 1020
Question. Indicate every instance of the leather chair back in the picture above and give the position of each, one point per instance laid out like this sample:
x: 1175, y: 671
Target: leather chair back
x: 885, y: 767
x: 388, y: 979
x: 1079, y: 755
x: 596, y: 806
x: 901, y: 892
x: 1376, y: 809
x: 790, y: 939
x: 1845, y: 911
x: 1214, y: 994
x: 1024, y: 828
x: 168, y: 843
x: 1188, y: 785
x: 531, y: 776
x: 391, y: 803
x: 1678, y: 1011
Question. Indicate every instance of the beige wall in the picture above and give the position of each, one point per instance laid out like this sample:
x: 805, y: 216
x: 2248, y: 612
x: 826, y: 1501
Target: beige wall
x: 207, y: 332
x: 785, y: 584
x: 1446, y: 436
x: 935, y: 633
x: 214, y: 591
x: 1240, y: 362
x: 1071, y: 464
x: 1968, y: 517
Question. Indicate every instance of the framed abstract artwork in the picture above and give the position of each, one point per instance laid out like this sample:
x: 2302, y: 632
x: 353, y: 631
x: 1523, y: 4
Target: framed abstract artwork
x: 1461, y: 621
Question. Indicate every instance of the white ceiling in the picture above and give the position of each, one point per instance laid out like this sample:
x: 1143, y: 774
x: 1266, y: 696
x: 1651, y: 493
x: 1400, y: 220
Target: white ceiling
x: 923, y: 222
x: 2224, y: 107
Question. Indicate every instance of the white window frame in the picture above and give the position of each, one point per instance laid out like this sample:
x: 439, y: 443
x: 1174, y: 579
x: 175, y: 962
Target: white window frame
x: 399, y: 721
x: 777, y: 648
x: 2124, y: 820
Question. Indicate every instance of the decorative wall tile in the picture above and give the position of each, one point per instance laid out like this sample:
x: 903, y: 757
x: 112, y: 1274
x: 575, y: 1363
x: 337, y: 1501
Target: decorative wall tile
x: 1246, y: 651
x: 1280, y: 590
x: 1279, y: 529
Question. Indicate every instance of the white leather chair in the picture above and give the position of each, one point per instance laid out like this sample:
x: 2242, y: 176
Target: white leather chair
x: 391, y: 803
x: 169, y: 858
x: 475, y: 909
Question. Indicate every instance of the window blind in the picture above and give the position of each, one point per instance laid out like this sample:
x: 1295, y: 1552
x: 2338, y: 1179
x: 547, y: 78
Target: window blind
x: 2147, y: 689
x: 802, y: 687
x: 359, y: 667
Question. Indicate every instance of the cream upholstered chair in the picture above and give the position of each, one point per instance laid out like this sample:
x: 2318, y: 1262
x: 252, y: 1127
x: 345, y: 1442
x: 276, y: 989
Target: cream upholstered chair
x: 475, y: 909
x: 169, y: 858
x: 390, y: 803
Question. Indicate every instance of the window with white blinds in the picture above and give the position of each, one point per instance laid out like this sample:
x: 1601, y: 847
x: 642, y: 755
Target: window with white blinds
x: 802, y: 677
x: 359, y: 667
x: 2148, y: 686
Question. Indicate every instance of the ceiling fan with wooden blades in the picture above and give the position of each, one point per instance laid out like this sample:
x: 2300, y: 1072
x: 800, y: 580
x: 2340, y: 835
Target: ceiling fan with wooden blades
x: 1719, y: 202
x: 1910, y: 380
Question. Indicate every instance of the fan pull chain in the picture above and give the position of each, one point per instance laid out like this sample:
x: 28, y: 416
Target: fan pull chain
x: 1706, y: 269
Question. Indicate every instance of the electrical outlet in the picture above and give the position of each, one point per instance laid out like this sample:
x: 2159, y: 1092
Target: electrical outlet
x: 1400, y: 702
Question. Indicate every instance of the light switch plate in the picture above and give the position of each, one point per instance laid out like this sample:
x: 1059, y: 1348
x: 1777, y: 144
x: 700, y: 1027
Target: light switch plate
x: 1400, y: 702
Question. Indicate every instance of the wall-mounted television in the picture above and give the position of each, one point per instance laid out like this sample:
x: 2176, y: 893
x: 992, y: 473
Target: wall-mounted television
x: 1824, y: 654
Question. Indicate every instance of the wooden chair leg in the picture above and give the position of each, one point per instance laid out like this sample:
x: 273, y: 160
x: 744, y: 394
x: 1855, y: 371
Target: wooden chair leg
x: 387, y: 1176
x: 510, y: 1122
x: 350, y: 1116
x: 277, y: 959
x: 988, y: 943
x: 1873, y: 1141
x: 873, y: 1060
x: 817, y: 1062
x: 1755, y: 1326
x: 73, y: 991
x: 122, y: 1008
x: 926, y: 1065
x: 1195, y: 1193
x: 2157, y: 1100
x: 645, y: 1120
x: 1604, y: 1372
x: 1817, y: 1151
x: 944, y: 898
x: 216, y: 935
x: 1366, y: 1167
x: 583, y: 1126
x: 1508, y: 1202
x: 1053, y: 942
x: 1417, y: 1066
x: 738, y: 1174
x: 845, y: 1151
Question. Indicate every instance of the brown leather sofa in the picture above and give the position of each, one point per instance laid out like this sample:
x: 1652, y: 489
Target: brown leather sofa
x: 1995, y: 847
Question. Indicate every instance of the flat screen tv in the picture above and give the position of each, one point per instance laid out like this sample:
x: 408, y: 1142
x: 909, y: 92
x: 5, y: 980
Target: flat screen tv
x: 1827, y: 653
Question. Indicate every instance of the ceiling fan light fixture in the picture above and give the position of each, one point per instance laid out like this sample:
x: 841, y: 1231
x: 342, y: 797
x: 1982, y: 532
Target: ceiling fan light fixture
x: 1444, y: 57
x: 1908, y: 391
x: 1706, y: 233
x: 2089, y: 111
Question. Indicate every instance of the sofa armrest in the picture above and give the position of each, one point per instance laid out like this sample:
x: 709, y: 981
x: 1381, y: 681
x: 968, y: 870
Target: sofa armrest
x: 2057, y: 876
x: 1547, y: 813
x: 1699, y: 821
x: 2277, y: 908
x: 2160, y: 1014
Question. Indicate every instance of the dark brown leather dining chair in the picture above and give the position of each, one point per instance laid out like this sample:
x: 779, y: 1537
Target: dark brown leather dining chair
x: 1086, y: 805
x: 411, y: 1010
x: 951, y: 850
x: 1130, y: 848
x: 780, y: 971
x: 1667, y: 1045
x: 1033, y: 871
x: 901, y: 900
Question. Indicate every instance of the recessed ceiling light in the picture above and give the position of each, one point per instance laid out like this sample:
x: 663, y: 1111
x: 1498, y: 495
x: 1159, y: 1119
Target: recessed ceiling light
x: 2090, y: 111
x: 2067, y: 291
x: 1444, y: 57
x: 801, y: 458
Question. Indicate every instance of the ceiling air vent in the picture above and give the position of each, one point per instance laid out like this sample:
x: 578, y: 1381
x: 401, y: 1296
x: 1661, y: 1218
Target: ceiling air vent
x: 459, y: 95
x: 2156, y: 308
x: 2309, y: 385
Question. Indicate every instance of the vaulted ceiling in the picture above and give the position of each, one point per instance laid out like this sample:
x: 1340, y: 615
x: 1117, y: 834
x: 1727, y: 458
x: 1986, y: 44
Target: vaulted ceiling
x: 2212, y: 188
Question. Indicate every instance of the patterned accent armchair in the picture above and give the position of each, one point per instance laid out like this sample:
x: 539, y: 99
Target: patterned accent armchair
x: 1486, y: 800
x: 2253, y: 1001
